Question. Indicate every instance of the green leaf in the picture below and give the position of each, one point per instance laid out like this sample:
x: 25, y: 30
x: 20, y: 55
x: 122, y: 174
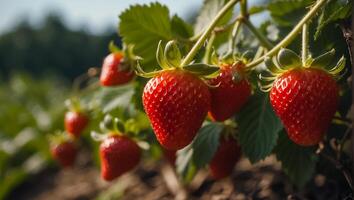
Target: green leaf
x: 288, y: 12
x: 288, y: 59
x: 208, y: 12
x: 201, y: 69
x: 200, y: 152
x: 206, y: 143
x: 144, y: 26
x: 180, y: 28
x: 256, y: 9
x: 259, y: 127
x: 117, y: 97
x: 297, y: 162
x: 335, y: 10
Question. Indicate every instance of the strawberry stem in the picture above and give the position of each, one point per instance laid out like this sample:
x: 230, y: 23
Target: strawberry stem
x: 208, y: 49
x: 234, y: 33
x: 261, y: 38
x: 291, y: 36
x: 207, y: 32
x: 305, y: 43
x: 243, y: 8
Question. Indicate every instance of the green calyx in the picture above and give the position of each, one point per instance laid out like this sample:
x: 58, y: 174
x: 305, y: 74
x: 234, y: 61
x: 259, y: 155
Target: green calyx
x: 230, y: 130
x: 129, y: 60
x: 170, y: 58
x: 73, y: 104
x: 287, y: 59
x: 59, y: 137
x: 111, y: 126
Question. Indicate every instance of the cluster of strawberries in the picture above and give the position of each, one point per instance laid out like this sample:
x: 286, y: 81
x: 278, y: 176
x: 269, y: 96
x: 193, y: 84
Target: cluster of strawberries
x: 177, y: 102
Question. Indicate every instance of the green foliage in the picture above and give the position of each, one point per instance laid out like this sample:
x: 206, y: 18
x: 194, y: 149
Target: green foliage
x: 208, y: 12
x: 335, y: 10
x: 180, y: 28
x: 29, y: 110
x: 200, y: 152
x: 113, y: 98
x: 144, y: 26
x: 288, y: 12
x: 297, y: 162
x: 258, y: 127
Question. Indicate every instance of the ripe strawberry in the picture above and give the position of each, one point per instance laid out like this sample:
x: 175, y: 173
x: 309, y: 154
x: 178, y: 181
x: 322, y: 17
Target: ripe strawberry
x: 225, y: 158
x: 305, y: 100
x: 113, y: 72
x: 170, y: 156
x: 75, y: 122
x: 176, y: 103
x: 229, y: 96
x: 118, y: 154
x: 64, y: 153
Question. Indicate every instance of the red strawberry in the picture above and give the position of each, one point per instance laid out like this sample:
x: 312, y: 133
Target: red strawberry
x: 229, y: 96
x: 176, y: 103
x: 113, y: 73
x: 75, y: 122
x: 64, y: 153
x: 225, y: 158
x: 170, y: 156
x: 305, y: 100
x: 118, y: 155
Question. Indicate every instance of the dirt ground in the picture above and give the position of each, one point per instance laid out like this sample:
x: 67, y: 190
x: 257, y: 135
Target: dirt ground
x: 152, y: 181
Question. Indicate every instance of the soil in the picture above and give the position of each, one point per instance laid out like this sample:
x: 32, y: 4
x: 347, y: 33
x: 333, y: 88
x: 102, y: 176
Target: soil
x: 157, y: 180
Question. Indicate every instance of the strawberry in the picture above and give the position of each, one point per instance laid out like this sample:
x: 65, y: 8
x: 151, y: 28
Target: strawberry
x: 305, y: 99
x: 75, y: 122
x: 228, y: 96
x: 176, y: 102
x: 170, y: 155
x: 114, y: 72
x: 65, y: 153
x: 225, y: 158
x: 118, y: 154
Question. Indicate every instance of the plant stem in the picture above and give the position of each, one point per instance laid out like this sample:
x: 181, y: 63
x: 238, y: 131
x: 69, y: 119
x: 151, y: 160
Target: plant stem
x: 205, y: 35
x: 234, y: 33
x: 261, y: 38
x: 208, y: 49
x: 291, y: 36
x: 305, y: 43
x: 243, y: 8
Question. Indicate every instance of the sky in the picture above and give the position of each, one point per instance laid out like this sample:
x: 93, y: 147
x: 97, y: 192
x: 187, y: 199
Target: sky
x: 95, y: 15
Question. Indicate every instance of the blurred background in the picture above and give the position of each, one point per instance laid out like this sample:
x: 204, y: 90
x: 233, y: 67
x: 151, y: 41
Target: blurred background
x: 63, y: 37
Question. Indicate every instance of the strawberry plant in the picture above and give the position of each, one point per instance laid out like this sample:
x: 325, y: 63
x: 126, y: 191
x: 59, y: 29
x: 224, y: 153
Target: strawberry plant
x: 296, y: 95
x: 223, y: 90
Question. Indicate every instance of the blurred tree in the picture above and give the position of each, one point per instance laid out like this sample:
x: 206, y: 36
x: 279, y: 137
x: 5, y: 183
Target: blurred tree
x: 52, y: 48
